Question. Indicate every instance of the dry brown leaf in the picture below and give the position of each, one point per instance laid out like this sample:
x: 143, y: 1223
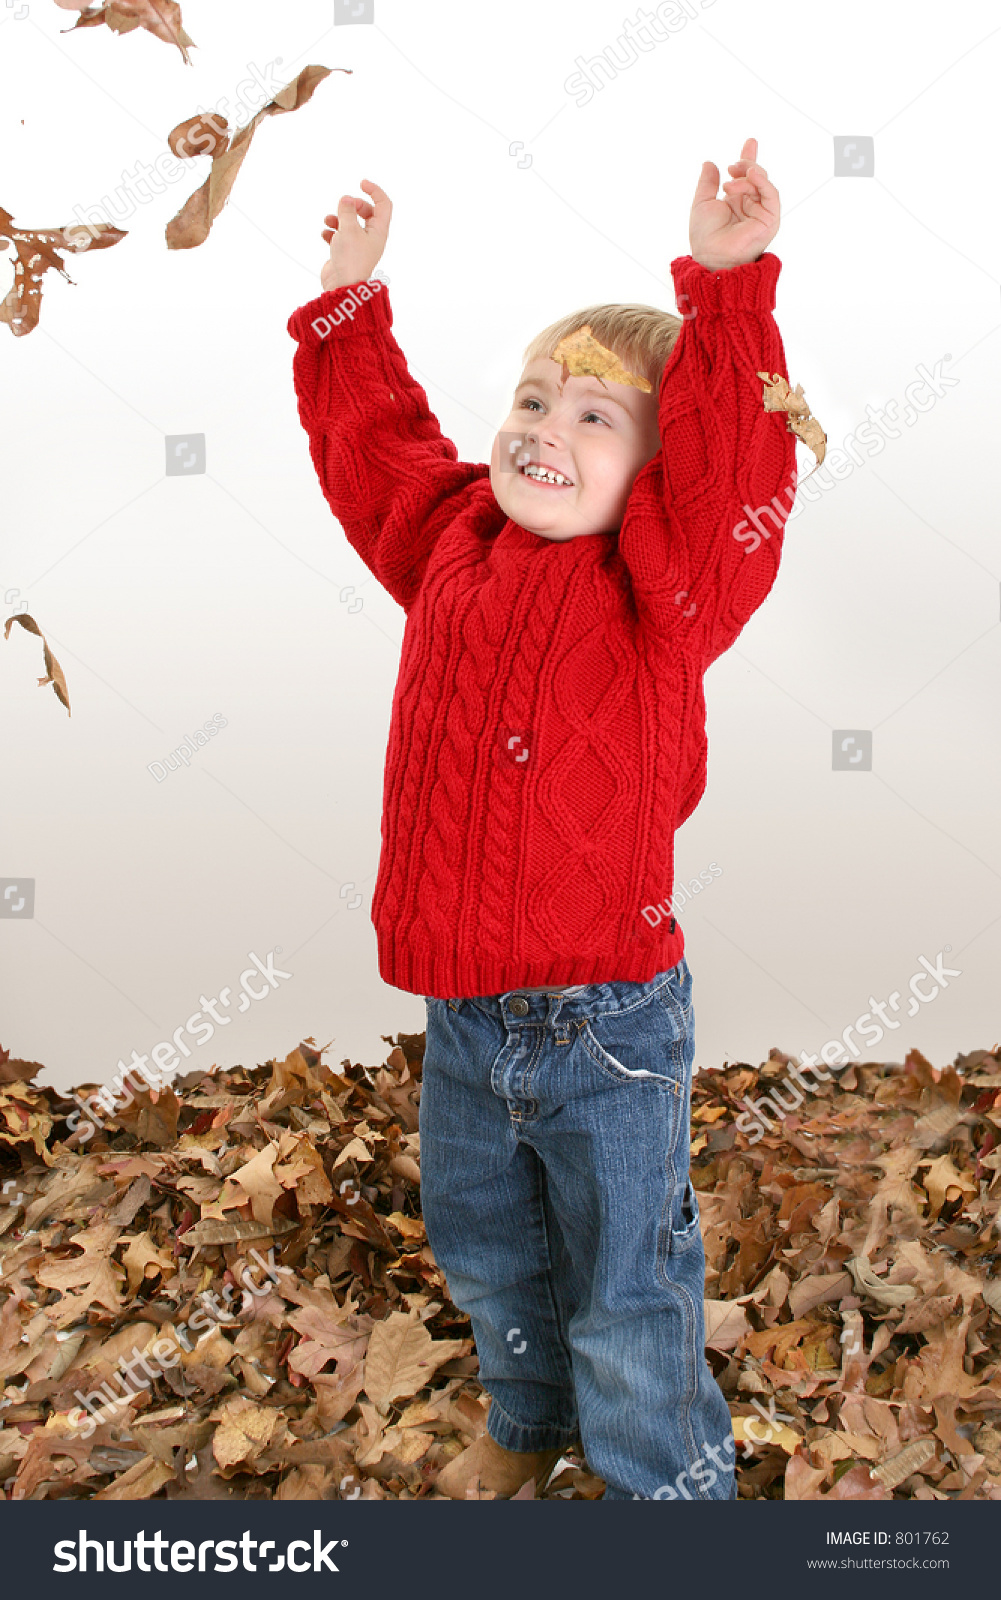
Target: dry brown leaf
x: 53, y: 671
x: 725, y: 1323
x: 36, y: 250
x: 310, y: 1482
x: 93, y: 1272
x: 151, y: 1115
x: 581, y: 356
x: 161, y: 18
x: 139, y: 1482
x: 220, y: 1230
x: 141, y: 1255
x: 255, y: 1181
x: 402, y: 1357
x: 191, y: 225
x: 245, y: 1431
x: 867, y: 1282
x: 943, y: 1182
x: 779, y: 397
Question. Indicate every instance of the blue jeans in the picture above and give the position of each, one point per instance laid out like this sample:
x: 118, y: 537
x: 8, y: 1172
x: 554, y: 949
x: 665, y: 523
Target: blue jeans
x: 555, y: 1191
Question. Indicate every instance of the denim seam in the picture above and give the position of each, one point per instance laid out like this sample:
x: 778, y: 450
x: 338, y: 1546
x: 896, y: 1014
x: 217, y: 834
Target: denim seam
x: 551, y: 1279
x: 691, y: 1386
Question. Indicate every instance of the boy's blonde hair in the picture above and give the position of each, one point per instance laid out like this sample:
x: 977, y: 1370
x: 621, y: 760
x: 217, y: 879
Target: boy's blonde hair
x: 641, y: 336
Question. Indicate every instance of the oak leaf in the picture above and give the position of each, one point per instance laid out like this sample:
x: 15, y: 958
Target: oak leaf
x: 143, y: 1255
x: 37, y: 249
x: 93, y: 1272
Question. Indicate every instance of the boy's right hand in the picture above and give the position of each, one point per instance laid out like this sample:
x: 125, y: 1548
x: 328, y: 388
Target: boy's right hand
x: 355, y: 250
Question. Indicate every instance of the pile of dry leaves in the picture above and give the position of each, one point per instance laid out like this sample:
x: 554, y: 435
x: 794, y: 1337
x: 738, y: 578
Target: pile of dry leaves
x: 227, y: 1291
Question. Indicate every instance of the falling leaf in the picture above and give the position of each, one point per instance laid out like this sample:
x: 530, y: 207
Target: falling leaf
x: 53, y: 671
x: 37, y: 249
x: 192, y: 223
x: 581, y: 356
x: 778, y: 397
x: 162, y: 18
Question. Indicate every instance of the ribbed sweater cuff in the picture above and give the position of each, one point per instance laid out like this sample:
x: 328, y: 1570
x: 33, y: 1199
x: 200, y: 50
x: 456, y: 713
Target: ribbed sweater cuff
x: 749, y: 287
x: 354, y: 313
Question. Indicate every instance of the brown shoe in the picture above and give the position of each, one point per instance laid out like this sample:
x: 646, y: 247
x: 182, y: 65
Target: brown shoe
x: 500, y: 1470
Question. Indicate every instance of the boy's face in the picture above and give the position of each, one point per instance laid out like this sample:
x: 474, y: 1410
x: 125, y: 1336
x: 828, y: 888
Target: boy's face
x: 596, y: 435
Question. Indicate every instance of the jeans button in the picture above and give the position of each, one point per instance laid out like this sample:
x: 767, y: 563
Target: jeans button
x: 519, y: 1006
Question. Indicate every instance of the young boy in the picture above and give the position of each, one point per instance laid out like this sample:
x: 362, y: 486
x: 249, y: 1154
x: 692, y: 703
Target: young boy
x: 547, y: 739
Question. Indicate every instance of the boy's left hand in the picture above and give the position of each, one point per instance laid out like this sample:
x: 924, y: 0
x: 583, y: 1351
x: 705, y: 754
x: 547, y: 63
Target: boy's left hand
x: 724, y: 233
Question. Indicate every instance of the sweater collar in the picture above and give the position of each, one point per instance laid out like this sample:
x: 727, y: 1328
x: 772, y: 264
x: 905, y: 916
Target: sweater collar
x: 513, y: 536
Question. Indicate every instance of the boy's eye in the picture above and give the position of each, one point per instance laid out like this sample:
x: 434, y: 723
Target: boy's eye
x: 532, y: 401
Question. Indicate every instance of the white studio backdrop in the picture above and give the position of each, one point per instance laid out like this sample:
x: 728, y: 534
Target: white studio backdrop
x: 526, y: 181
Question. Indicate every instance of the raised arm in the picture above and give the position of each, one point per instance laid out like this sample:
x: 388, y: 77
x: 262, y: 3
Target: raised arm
x: 391, y: 478
x: 702, y: 534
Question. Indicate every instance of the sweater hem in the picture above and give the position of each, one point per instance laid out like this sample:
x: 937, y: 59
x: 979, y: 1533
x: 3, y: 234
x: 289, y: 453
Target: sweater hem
x: 451, y: 977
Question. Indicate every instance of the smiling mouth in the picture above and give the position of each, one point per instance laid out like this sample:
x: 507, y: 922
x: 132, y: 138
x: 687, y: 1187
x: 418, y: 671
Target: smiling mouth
x: 535, y: 473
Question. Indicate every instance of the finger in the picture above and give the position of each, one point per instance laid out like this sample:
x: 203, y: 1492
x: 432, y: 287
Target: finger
x: 381, y: 210
x: 767, y: 192
x: 374, y: 190
x: 708, y: 183
x: 750, y: 150
x: 347, y: 213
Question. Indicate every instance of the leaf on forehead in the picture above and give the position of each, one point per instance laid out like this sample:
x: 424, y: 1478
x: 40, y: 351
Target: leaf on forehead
x: 583, y: 357
x: 54, y: 672
x: 779, y: 397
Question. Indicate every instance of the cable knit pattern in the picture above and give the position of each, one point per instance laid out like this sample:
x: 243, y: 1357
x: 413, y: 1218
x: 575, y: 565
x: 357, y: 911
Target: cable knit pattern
x: 548, y: 734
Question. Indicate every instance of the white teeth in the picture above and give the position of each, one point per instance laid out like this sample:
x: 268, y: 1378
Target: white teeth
x: 545, y: 474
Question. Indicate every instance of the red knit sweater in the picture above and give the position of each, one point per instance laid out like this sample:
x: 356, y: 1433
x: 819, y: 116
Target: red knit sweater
x: 548, y: 726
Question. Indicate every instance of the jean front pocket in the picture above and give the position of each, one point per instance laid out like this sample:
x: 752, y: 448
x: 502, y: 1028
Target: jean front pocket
x: 636, y: 1045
